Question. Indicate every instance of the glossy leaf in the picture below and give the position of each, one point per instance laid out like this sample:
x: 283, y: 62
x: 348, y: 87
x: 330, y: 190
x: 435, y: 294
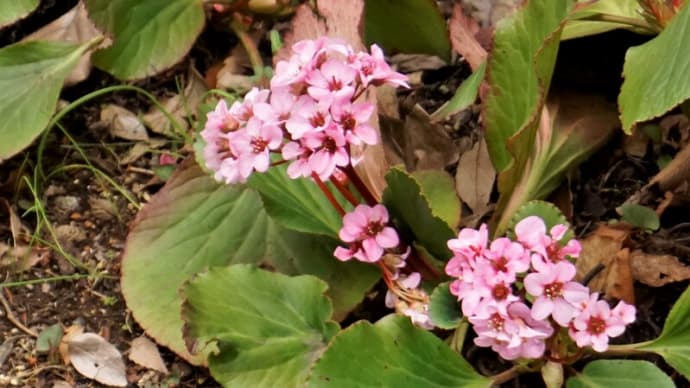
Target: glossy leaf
x: 297, y: 204
x: 519, y: 71
x: 409, y: 26
x: 148, y: 36
x: 620, y: 374
x: 267, y: 327
x: 577, y: 28
x: 674, y: 342
x: 11, y: 11
x: 653, y: 69
x: 29, y: 99
x: 444, y: 308
x: 414, y: 215
x: 464, y: 96
x: 439, y: 189
x: 194, y: 223
x: 392, y: 353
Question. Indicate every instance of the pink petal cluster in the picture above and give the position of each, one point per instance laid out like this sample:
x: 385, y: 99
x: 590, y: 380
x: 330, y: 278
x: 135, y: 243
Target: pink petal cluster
x: 366, y: 232
x: 516, y: 293
x: 310, y: 115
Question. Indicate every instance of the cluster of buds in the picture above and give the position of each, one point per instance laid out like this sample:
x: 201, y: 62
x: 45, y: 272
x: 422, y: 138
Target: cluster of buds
x: 517, y: 293
x: 310, y: 115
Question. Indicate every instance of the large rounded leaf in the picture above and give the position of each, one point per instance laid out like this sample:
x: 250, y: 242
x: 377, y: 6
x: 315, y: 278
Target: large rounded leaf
x: 392, y: 353
x: 194, y: 223
x: 149, y: 36
x: 11, y: 11
x: 31, y: 76
x: 620, y: 374
x: 269, y: 328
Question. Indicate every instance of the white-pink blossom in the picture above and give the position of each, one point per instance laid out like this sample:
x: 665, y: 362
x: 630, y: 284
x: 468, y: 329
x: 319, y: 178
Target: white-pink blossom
x: 366, y: 231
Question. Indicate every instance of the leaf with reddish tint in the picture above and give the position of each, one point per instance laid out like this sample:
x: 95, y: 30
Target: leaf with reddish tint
x: 462, y: 30
x: 624, y: 9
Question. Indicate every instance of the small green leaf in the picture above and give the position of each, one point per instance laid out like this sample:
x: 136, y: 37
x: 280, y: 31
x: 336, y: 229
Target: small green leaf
x: 673, y: 344
x: 297, y: 204
x: 551, y: 215
x: 465, y: 95
x: 11, y: 11
x: 444, y: 308
x: 639, y: 216
x: 620, y: 374
x: 407, y: 204
x: 268, y: 327
x: 392, y: 353
x: 519, y: 72
x: 149, y: 36
x: 656, y: 74
x: 621, y: 9
x: 409, y: 26
x: 439, y: 189
x: 49, y: 338
x: 31, y: 77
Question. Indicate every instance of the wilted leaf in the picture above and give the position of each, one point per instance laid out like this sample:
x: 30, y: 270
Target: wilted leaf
x: 603, y: 251
x: 11, y: 11
x: 426, y: 146
x: 145, y: 353
x: 657, y: 270
x: 72, y: 27
x: 123, y: 123
x: 475, y: 176
x: 462, y: 37
x: 95, y: 358
x: 642, y: 78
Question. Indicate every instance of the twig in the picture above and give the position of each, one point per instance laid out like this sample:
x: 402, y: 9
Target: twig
x: 10, y: 317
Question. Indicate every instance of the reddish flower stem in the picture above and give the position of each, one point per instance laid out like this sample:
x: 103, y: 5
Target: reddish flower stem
x: 279, y: 162
x: 359, y: 184
x: 344, y: 191
x: 328, y: 194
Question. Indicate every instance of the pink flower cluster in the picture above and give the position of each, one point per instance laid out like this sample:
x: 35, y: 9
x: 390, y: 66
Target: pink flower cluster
x: 366, y: 232
x: 310, y: 115
x: 516, y: 293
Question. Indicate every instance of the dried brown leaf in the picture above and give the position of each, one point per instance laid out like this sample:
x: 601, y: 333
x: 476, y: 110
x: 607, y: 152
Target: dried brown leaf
x: 657, y: 270
x: 145, y: 353
x: 123, y: 124
x: 463, y: 30
x: 427, y: 146
x: 635, y: 145
x: 475, y: 176
x: 603, y: 251
x: 74, y: 27
x: 95, y: 358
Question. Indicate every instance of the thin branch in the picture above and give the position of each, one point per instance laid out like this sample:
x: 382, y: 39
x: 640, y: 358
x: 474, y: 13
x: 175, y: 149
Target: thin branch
x: 12, y: 318
x: 328, y: 194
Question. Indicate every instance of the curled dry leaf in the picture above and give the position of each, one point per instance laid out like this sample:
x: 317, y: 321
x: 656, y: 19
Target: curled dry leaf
x: 463, y: 30
x: 123, y: 124
x: 92, y: 356
x: 74, y: 27
x: 145, y: 353
x: 427, y: 146
x: 657, y: 270
x: 603, y: 254
x: 475, y: 176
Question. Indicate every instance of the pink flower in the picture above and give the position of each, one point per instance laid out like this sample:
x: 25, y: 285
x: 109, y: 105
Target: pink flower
x: 328, y: 151
x: 365, y: 230
x: 624, y: 313
x: 555, y: 294
x: 308, y: 116
x: 221, y: 120
x: 334, y: 80
x: 531, y: 232
x: 243, y: 111
x: 354, y: 120
x: 373, y: 69
x: 254, y: 145
x: 505, y: 259
x: 469, y: 245
x: 294, y: 150
x: 279, y: 110
x: 594, y: 325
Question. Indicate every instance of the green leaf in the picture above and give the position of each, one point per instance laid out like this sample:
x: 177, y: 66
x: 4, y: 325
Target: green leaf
x: 639, y: 216
x: 444, y: 308
x: 268, y: 327
x: 620, y: 374
x: 674, y: 342
x: 11, y: 11
x: 628, y: 9
x: 49, y: 338
x: 194, y: 223
x: 391, y: 353
x: 656, y: 74
x: 519, y: 71
x: 439, y: 189
x: 31, y: 76
x: 149, y: 36
x: 297, y: 204
x: 407, y: 204
x: 551, y: 215
x: 464, y: 96
x: 409, y: 26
